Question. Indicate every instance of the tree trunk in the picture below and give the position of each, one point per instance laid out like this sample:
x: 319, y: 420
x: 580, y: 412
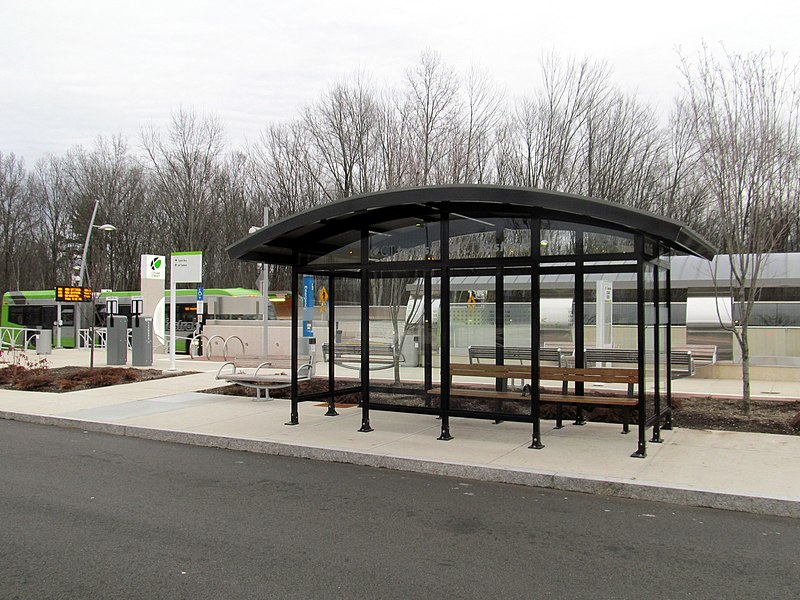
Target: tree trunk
x: 745, y: 346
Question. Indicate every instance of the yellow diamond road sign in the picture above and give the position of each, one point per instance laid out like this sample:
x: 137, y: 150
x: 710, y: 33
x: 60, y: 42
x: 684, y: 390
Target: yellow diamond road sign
x: 323, y: 295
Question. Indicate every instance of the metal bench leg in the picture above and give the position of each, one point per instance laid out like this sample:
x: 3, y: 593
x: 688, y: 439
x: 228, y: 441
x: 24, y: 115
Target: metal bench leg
x: 559, y: 416
x: 579, y: 420
x: 626, y: 419
x: 259, y: 397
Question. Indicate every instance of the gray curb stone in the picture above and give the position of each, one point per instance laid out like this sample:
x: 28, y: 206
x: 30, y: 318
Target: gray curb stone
x: 783, y: 507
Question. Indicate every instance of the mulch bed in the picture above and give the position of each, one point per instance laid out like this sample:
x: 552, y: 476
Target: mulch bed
x: 72, y: 379
x: 765, y: 416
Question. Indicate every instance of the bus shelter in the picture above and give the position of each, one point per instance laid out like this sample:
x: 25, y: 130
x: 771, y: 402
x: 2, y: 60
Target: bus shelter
x: 398, y: 313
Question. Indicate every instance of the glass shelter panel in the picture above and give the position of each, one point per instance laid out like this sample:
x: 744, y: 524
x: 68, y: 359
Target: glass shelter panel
x: 473, y: 339
x: 396, y: 346
x: 557, y: 238
x: 663, y: 333
x: 341, y: 249
x: 473, y: 310
x: 650, y: 330
x: 397, y: 241
x: 345, y: 303
x: 597, y: 240
x: 557, y: 311
x: 489, y: 237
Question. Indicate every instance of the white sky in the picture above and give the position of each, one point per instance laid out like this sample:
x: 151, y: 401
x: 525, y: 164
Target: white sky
x: 71, y: 70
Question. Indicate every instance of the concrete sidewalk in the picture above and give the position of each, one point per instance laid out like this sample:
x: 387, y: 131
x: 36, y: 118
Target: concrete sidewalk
x: 757, y: 473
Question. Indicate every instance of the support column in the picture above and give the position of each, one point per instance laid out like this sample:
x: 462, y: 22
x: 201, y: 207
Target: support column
x: 536, y: 292
x: 294, y: 418
x: 444, y: 322
x: 641, y: 450
x: 656, y: 439
x: 331, y: 341
x: 365, y: 426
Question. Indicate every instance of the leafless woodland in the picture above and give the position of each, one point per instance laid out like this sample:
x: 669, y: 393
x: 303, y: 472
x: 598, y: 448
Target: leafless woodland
x: 724, y: 160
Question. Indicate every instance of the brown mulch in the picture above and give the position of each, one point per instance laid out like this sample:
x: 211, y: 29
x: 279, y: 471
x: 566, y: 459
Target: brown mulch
x: 71, y: 379
x: 765, y: 416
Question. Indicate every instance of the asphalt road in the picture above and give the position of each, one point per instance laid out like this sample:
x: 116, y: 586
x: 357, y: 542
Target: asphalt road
x: 86, y: 515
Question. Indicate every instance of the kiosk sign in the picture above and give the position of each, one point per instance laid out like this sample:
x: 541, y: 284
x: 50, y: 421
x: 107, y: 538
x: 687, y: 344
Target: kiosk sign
x: 73, y: 294
x: 187, y: 267
x: 153, y: 266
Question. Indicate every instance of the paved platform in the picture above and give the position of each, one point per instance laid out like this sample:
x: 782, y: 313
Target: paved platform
x: 757, y: 473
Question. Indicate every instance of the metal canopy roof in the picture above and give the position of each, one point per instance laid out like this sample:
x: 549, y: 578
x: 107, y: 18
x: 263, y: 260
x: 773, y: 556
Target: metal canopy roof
x: 343, y: 220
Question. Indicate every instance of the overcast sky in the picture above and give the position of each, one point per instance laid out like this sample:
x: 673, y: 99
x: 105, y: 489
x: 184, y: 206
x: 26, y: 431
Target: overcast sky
x: 71, y: 70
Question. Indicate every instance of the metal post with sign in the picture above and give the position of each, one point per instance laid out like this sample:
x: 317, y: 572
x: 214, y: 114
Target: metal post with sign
x: 198, y: 326
x: 308, y: 315
x: 65, y: 293
x: 185, y: 267
x: 308, y: 306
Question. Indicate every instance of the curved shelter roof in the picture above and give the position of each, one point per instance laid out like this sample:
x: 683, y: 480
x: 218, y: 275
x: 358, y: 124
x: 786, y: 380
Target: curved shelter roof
x: 345, y: 219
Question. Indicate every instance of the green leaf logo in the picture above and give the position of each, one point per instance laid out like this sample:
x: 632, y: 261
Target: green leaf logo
x: 155, y: 264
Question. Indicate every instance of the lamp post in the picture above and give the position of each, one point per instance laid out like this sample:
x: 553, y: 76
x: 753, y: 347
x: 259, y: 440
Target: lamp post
x: 264, y: 289
x: 82, y: 268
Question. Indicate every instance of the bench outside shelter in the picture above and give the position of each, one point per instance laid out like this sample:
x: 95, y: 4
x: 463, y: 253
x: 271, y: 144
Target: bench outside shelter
x: 265, y: 373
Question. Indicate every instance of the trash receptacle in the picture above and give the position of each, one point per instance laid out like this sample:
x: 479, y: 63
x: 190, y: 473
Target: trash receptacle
x: 44, y: 342
x: 411, y: 350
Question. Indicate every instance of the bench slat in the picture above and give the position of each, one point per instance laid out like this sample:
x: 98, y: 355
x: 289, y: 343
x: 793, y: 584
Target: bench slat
x: 545, y: 398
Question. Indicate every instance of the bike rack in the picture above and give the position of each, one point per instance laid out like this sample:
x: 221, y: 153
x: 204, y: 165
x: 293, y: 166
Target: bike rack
x: 225, y: 346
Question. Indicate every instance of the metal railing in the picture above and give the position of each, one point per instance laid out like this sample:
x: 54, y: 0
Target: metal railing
x: 16, y: 337
x: 100, y: 337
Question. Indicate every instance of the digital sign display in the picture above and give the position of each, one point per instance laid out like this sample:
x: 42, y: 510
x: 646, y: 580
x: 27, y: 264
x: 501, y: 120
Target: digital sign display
x: 73, y: 294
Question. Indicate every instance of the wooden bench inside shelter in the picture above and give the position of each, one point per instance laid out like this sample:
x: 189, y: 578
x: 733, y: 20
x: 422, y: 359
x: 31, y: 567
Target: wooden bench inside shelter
x: 265, y: 373
x: 565, y: 375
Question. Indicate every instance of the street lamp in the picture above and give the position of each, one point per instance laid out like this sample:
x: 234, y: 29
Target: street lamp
x: 82, y: 268
x: 264, y: 288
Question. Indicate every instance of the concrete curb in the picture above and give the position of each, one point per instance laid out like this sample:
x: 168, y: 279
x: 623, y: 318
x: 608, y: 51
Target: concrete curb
x: 619, y: 488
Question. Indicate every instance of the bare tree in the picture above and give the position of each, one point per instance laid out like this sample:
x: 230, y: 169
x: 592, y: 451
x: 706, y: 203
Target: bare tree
x: 110, y: 174
x: 340, y: 131
x: 239, y: 202
x: 475, y: 141
x: 393, y: 144
x: 50, y: 196
x: 747, y: 109
x: 282, y: 180
x: 14, y: 219
x: 184, y: 161
x: 622, y: 157
x: 433, y: 106
x: 684, y: 197
x: 550, y: 127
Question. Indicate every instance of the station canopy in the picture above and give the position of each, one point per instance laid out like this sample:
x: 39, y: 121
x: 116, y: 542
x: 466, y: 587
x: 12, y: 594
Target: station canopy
x: 322, y: 230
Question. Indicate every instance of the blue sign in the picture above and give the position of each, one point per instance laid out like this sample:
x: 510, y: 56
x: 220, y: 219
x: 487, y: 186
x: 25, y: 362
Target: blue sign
x: 200, y: 293
x: 308, y: 305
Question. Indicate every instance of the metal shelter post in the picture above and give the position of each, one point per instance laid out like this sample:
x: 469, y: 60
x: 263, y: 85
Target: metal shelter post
x: 295, y: 417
